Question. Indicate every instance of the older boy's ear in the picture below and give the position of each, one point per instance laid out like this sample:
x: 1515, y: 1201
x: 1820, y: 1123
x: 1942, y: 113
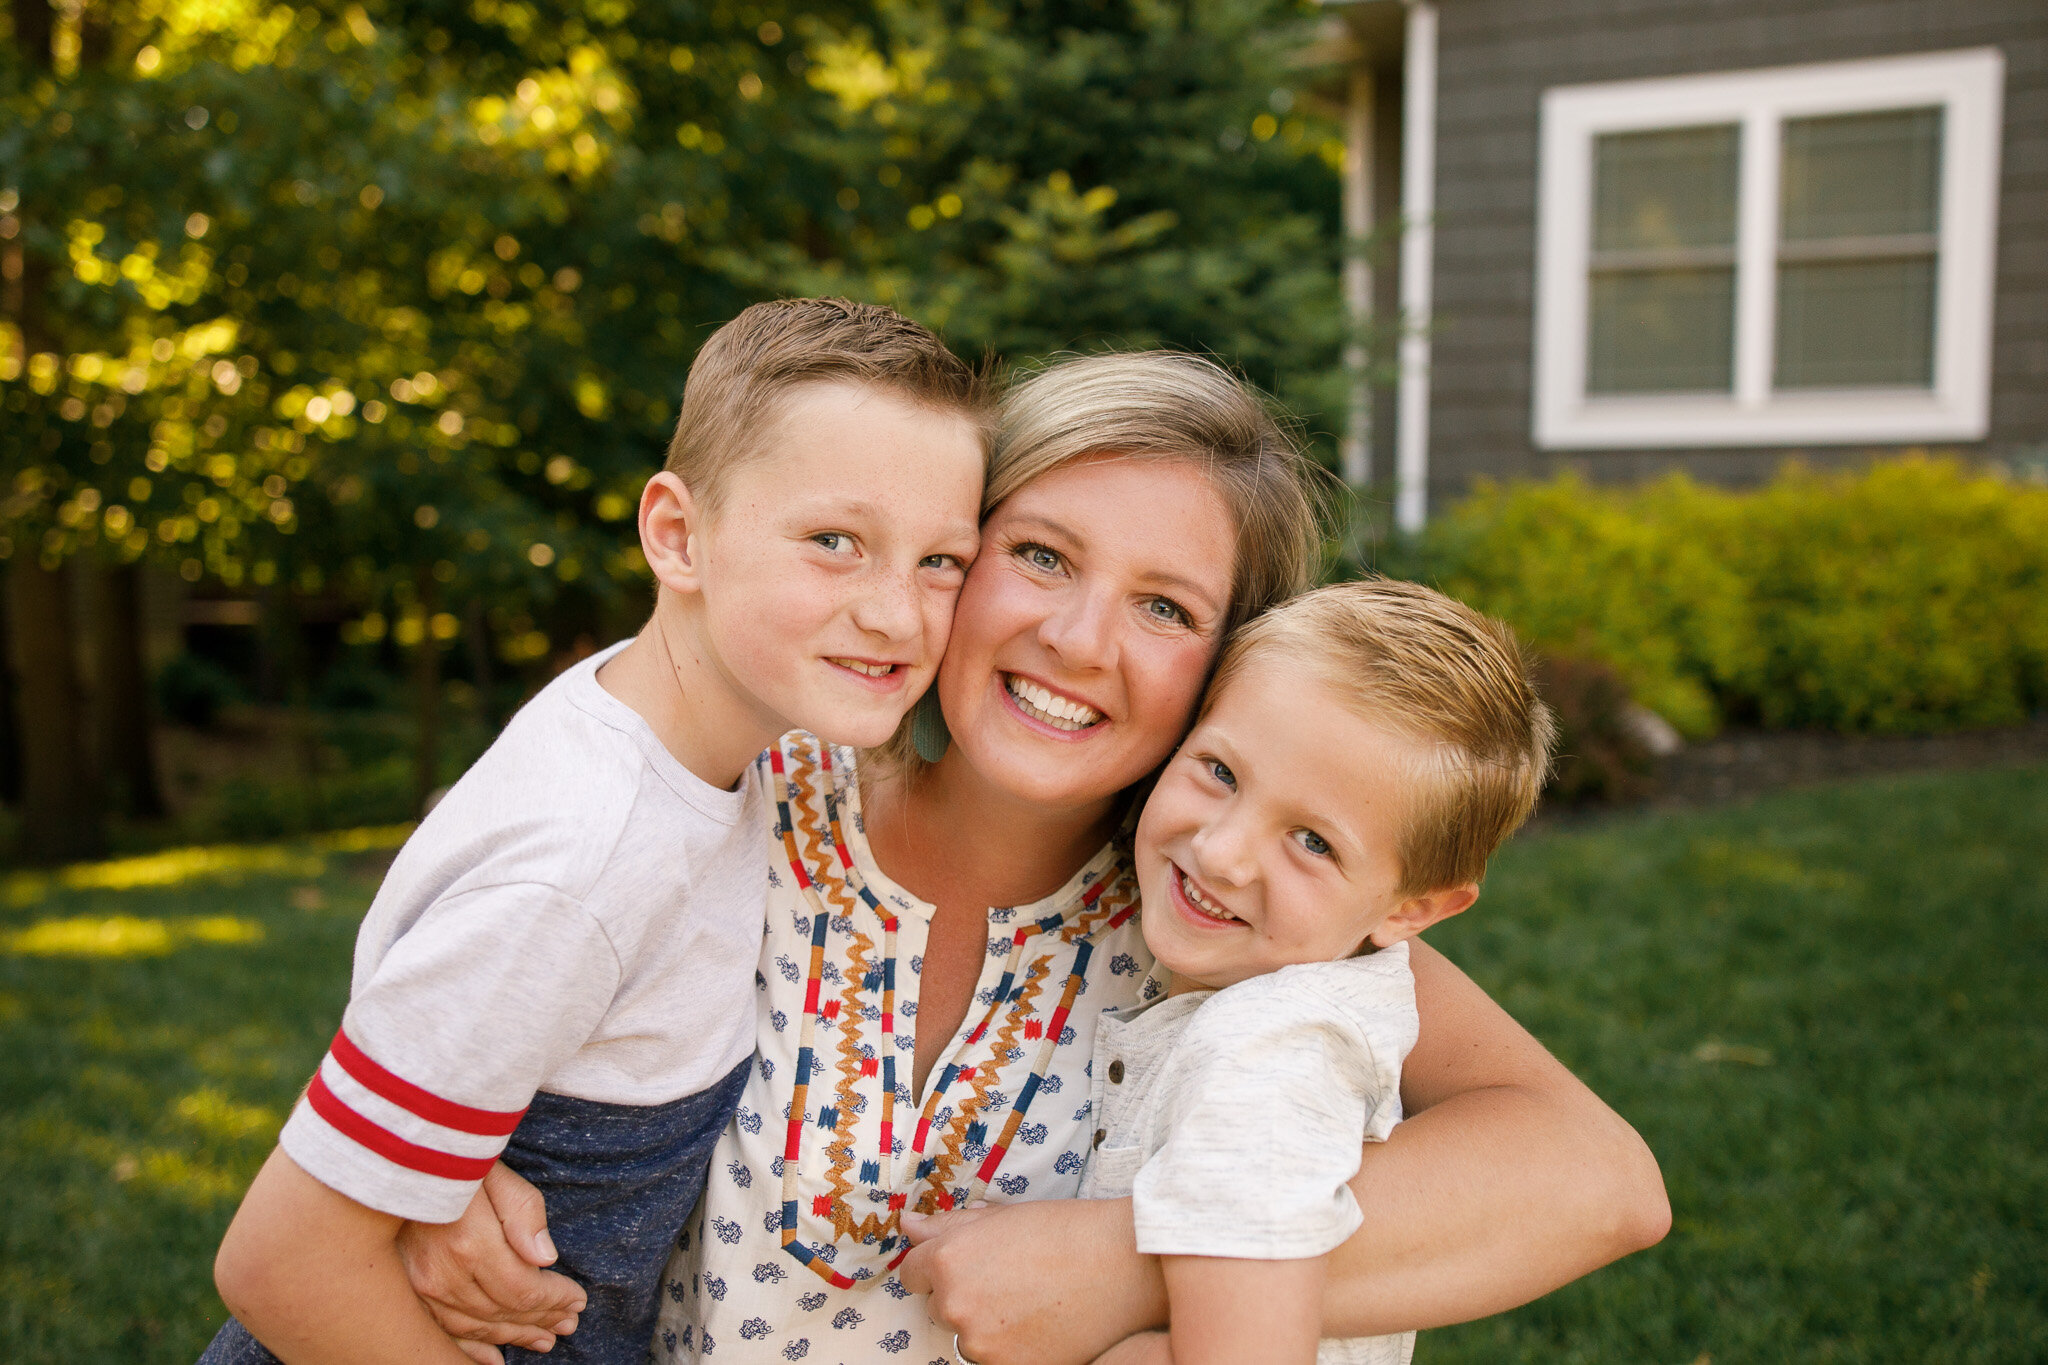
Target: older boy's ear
x: 1419, y: 912
x: 671, y: 527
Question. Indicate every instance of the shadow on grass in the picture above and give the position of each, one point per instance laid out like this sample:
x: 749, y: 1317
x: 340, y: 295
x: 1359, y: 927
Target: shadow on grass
x: 1824, y: 1010
x: 158, y: 1016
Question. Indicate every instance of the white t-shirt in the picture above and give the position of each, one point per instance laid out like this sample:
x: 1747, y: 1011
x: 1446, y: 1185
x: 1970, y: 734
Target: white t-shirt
x: 1233, y: 1118
x: 580, y: 915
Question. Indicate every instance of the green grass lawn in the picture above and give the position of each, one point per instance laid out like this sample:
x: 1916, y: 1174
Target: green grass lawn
x: 1827, y: 1011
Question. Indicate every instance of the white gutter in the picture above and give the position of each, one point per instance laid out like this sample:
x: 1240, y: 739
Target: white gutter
x: 1358, y: 226
x: 1418, y: 244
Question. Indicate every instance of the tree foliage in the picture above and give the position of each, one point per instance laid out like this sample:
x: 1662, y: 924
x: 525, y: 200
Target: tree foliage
x: 387, y: 305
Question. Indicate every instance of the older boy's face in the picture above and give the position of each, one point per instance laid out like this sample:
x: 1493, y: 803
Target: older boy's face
x: 1273, y: 835
x: 833, y: 561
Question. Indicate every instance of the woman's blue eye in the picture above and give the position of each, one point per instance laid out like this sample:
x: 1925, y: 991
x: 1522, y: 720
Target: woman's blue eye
x: 1040, y: 557
x: 1166, y: 609
x: 1221, y: 772
x: 1313, y: 842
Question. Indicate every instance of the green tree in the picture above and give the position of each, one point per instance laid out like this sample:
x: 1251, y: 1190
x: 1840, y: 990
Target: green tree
x: 392, y: 301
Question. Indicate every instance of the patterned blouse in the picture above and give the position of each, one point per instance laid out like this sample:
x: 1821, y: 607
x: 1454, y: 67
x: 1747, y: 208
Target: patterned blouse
x: 792, y: 1252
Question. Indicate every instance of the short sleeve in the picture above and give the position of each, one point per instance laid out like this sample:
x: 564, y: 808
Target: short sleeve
x: 442, y: 1049
x: 1274, y: 1089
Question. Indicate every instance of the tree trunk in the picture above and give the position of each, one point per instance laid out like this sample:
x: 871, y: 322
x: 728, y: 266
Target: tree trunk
x: 35, y: 23
x: 426, y: 692
x: 476, y: 632
x: 126, y: 733
x: 10, y: 733
x: 59, y: 817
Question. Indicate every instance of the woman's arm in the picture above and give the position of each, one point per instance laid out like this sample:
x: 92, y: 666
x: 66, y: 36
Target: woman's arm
x: 1508, y: 1179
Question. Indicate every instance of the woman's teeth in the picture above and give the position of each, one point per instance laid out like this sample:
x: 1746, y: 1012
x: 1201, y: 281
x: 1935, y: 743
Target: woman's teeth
x: 1202, y: 902
x: 1042, y: 705
x: 872, y: 670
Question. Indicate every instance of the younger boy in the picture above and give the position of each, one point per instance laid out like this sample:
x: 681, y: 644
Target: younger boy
x: 1360, y: 753
x: 559, y: 966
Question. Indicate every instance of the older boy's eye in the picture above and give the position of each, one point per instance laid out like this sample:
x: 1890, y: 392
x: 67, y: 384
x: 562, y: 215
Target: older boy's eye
x: 833, y: 542
x: 940, y: 562
x: 1313, y: 842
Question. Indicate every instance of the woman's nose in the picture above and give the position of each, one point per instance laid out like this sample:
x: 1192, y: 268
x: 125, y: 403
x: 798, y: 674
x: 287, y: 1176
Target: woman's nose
x: 1082, y: 632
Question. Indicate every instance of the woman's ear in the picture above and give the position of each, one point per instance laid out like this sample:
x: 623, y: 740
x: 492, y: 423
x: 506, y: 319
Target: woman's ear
x: 671, y: 533
x: 1419, y: 912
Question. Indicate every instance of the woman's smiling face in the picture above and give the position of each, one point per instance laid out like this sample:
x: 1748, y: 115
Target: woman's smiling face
x: 1087, y: 626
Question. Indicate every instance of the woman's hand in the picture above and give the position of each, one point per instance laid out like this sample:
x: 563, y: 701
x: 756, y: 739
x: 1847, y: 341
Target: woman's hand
x: 481, y: 1275
x: 1053, y: 1282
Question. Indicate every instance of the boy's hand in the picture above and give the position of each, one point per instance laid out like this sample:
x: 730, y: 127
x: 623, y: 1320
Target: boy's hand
x: 481, y: 1276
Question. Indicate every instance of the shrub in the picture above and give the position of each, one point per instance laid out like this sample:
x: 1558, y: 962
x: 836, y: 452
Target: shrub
x: 192, y: 690
x: 1911, y: 596
x: 1601, y: 753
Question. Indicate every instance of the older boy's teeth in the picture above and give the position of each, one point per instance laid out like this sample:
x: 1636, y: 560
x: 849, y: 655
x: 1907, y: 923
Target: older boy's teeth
x: 872, y: 670
x: 1200, y: 901
x: 1058, y: 712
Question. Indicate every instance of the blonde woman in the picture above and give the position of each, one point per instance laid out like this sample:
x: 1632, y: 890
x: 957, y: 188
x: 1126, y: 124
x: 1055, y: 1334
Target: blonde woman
x: 948, y: 917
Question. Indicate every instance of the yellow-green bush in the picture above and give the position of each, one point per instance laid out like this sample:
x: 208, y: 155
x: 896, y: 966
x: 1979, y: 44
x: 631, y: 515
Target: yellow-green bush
x: 1911, y: 596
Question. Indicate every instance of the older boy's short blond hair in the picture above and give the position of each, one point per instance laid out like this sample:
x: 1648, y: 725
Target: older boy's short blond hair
x: 1442, y: 676
x: 730, y: 398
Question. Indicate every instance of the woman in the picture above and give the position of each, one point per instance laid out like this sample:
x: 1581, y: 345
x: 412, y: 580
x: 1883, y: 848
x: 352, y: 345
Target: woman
x: 922, y: 1047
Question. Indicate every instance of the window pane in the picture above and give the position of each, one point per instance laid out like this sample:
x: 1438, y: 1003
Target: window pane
x: 1661, y: 331
x: 1856, y: 322
x: 1672, y: 188
x: 1862, y: 175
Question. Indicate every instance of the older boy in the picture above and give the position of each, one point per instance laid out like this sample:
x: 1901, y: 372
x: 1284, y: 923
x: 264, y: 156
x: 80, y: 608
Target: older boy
x: 559, y: 966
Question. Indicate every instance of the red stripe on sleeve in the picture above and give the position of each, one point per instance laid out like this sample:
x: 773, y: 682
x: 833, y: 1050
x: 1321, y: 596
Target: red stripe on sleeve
x: 389, y: 1145
x: 420, y: 1103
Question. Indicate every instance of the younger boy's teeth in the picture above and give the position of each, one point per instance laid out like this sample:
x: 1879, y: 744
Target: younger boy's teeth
x: 1200, y: 901
x: 872, y: 670
x: 1055, y: 711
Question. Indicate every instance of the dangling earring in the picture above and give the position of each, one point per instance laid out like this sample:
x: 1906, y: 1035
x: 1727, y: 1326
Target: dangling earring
x: 928, y: 732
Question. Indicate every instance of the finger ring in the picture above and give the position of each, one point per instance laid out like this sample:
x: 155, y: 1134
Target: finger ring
x: 959, y: 1354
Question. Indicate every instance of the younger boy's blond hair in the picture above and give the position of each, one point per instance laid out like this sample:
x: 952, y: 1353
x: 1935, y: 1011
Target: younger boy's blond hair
x: 1439, y: 674
x: 730, y: 397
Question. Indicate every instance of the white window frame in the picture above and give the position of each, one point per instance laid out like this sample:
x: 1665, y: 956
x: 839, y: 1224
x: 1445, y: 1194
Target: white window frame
x: 1968, y: 85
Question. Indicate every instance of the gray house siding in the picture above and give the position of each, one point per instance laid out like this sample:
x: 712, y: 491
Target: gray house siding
x: 1496, y: 59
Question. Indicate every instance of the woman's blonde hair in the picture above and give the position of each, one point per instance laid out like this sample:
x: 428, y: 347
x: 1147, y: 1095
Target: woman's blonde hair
x: 1167, y: 405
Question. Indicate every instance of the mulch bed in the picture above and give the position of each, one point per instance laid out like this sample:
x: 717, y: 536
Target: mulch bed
x: 1747, y: 763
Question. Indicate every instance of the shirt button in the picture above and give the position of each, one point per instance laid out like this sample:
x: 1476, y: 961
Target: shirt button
x: 1100, y: 1134
x: 1116, y: 1073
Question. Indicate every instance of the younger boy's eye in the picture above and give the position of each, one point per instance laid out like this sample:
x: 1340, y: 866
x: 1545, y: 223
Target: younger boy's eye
x: 1220, y: 771
x: 1313, y: 842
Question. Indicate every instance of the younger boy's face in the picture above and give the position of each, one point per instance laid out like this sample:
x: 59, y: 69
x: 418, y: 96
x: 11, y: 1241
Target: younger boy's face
x: 832, y: 562
x: 1272, y: 837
